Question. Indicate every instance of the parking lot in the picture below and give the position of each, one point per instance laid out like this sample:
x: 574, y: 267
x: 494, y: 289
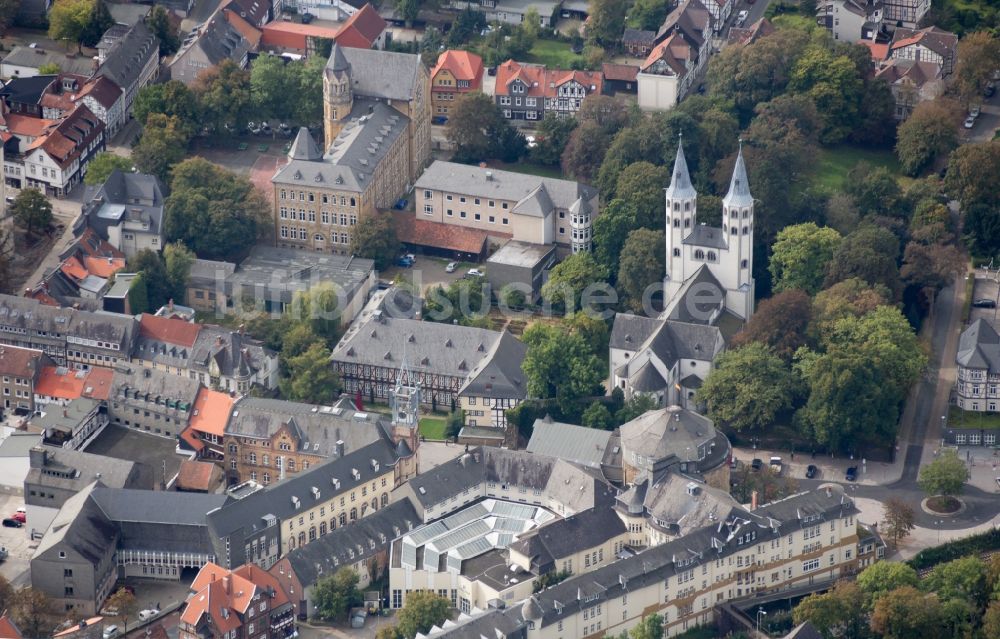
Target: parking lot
x: 153, y: 453
x: 427, y: 272
x: 16, y: 541
x: 986, y: 290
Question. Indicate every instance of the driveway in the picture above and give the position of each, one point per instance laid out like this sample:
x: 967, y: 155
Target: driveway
x: 17, y: 542
x: 987, y: 123
x: 64, y: 212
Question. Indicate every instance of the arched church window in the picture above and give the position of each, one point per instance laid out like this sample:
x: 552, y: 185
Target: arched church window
x: 711, y: 256
x: 677, y: 206
x: 743, y: 264
x: 699, y: 254
x: 677, y: 222
x: 746, y: 230
x: 734, y: 231
x: 746, y: 213
x: 687, y: 206
x: 677, y: 252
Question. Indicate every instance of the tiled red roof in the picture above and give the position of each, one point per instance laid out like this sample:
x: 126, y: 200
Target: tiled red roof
x: 440, y: 235
x: 294, y: 35
x: 195, y: 475
x: 543, y: 82
x: 22, y: 362
x: 211, y: 412
x: 362, y: 29
x: 8, y: 630
x: 619, y: 72
x: 461, y: 64
x: 171, y: 331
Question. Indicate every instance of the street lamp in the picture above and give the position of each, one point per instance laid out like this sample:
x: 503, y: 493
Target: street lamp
x: 937, y: 524
x: 760, y: 612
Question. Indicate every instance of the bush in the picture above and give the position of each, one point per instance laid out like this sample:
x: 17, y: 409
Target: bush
x: 950, y: 551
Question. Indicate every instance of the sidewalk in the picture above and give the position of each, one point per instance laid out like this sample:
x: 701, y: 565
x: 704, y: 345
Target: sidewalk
x: 831, y: 468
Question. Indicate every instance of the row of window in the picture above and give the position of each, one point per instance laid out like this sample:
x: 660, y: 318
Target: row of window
x: 975, y: 439
x: 303, y: 234
x: 325, y: 217
x: 304, y: 196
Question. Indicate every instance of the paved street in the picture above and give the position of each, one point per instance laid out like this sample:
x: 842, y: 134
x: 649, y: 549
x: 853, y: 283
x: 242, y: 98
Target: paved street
x: 64, y: 211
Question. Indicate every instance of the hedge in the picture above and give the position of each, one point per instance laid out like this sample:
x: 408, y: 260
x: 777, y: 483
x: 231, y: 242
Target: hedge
x: 974, y: 545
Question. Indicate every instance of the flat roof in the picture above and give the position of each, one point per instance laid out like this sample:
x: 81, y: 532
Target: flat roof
x: 288, y: 271
x: 523, y: 254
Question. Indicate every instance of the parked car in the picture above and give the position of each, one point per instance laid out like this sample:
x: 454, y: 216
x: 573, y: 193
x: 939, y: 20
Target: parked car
x: 775, y: 465
x: 985, y: 303
x: 530, y: 139
x: 852, y: 474
x: 970, y: 122
x: 285, y: 129
x: 451, y: 267
x: 3, y: 553
x: 410, y: 256
x: 109, y: 632
x: 974, y: 111
x: 265, y: 127
x: 149, y: 613
x: 990, y: 90
x: 741, y: 17
x: 811, y: 471
x: 475, y: 272
x: 756, y: 464
x: 21, y: 516
x: 10, y: 522
x: 307, y: 18
x: 405, y: 262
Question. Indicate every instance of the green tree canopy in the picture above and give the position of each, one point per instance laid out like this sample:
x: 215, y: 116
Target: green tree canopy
x: 747, y: 388
x: 649, y: 14
x: 224, y: 94
x: 869, y: 254
x: 8, y: 11
x: 642, y: 263
x: 781, y: 322
x: 905, y: 613
x: 319, y: 308
x: 49, y: 68
x: 163, y: 144
x: 31, y: 210
x: 598, y: 416
x: 585, y: 151
x: 159, y: 23
x: 946, y: 475
x: 800, y: 255
x: 561, y: 364
x: 216, y: 213
x: 963, y: 579
x: 334, y: 594
x: 177, y: 260
x: 883, y: 576
x: 850, y: 298
x: 610, y: 230
x: 100, y: 21
x: 607, y: 22
x: 68, y: 19
x: 374, y: 237
x: 311, y: 379
x: 972, y: 171
x: 834, y: 85
x: 478, y: 131
x: 172, y: 98
x: 641, y: 185
x: 570, y: 278
x: 553, y: 135
x: 978, y: 57
x: 837, y: 613
x: 150, y: 266
x: 102, y: 165
x: 423, y: 610
x: 930, y: 132
x: 875, y: 191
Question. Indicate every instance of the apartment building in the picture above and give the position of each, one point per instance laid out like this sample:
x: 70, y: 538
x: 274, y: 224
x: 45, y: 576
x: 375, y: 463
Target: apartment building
x: 526, y: 92
x: 246, y: 602
x: 511, y: 205
x: 455, y: 74
x: 151, y: 400
x: 20, y: 369
x: 68, y: 336
x: 126, y: 211
x: 977, y: 386
x: 930, y: 44
x: 495, y: 385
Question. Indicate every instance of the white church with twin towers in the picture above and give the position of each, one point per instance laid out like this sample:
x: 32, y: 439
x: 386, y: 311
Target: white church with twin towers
x: 708, y: 293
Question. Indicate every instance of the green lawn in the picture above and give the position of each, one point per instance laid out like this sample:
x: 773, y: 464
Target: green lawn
x: 532, y: 168
x: 958, y: 418
x: 432, y: 427
x: 553, y: 54
x: 830, y: 172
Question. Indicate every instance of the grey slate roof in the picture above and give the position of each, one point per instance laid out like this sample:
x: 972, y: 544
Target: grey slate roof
x: 246, y: 515
x: 156, y: 506
x: 236, y: 354
x: 492, y: 623
x: 979, y: 347
x: 372, y: 129
x: 217, y: 39
x: 647, y: 379
x: 32, y: 315
x: 317, y: 427
x: 23, y: 56
x: 578, y: 444
x: 668, y: 432
x: 74, y: 469
x: 680, y: 187
x: 378, y: 74
x: 80, y: 525
x: 304, y: 147
x: 739, y: 185
x: 129, y: 51
x: 673, y: 508
x: 629, y: 332
x: 499, y: 374
x: 639, y: 36
x: 689, y: 18
x: 124, y: 197
x: 151, y: 384
x: 429, y: 347
x: 706, y: 236
x: 326, y: 555
x: 566, y: 537
x: 504, y: 185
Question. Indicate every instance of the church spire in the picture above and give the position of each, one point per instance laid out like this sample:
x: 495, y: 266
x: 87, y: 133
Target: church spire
x: 739, y: 186
x: 680, y: 181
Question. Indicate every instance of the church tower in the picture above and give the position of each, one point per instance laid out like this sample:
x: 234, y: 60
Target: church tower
x: 338, y: 96
x: 405, y: 406
x: 737, y: 220
x: 681, y: 217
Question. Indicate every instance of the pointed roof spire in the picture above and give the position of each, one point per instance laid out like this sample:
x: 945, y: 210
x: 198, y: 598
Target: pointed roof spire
x: 304, y: 147
x: 739, y: 186
x: 680, y: 181
x: 337, y: 61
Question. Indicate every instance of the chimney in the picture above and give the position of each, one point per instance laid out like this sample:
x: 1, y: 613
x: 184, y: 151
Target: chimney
x: 170, y: 305
x: 829, y: 493
x: 227, y: 585
x: 65, y: 413
x: 753, y: 500
x: 37, y: 457
x: 340, y: 448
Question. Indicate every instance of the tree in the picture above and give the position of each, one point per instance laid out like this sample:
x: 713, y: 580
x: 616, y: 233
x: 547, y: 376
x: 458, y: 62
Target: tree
x: 172, y: 98
x: 375, y: 238
x: 310, y: 377
x: 272, y: 80
x: 641, y: 184
x: 561, y: 364
x: 931, y: 267
x: 553, y: 135
x: 963, y: 579
x: 598, y: 416
x: 102, y: 165
x: 216, y: 213
x: 422, y: 611
x: 834, y: 85
x: 639, y: 404
x: 8, y: 11
x: 972, y: 171
x: 905, y: 613
x: 100, y: 21
x: 651, y: 627
x: 611, y: 228
x: 31, y: 611
x: 159, y: 23
x: 869, y: 254
x: 224, y: 94
x: 177, y: 261
x: 163, y: 144
x: 31, y: 210
x: 138, y: 295
x: 49, y: 68
x: 7, y: 594
x: 881, y: 577
x: 800, y: 255
x: 930, y: 132
x: 978, y: 57
x: 649, y: 14
x: 150, y: 265
x: 464, y: 300
x: 748, y: 387
x: 68, y: 19
x: 124, y: 602
x: 607, y: 21
x: 991, y: 620
x: 875, y: 191
x: 389, y: 632
x: 319, y: 309
x: 570, y: 278
x: 837, y: 613
x: 584, y: 152
x: 982, y: 229
x: 946, y: 475
x: 642, y: 264
x: 478, y: 131
x: 334, y: 594
x: 6, y: 260
x: 453, y: 426
x: 781, y: 322
x: 898, y: 519
x: 607, y: 112
x: 850, y: 298
x: 310, y: 91
x: 408, y: 9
